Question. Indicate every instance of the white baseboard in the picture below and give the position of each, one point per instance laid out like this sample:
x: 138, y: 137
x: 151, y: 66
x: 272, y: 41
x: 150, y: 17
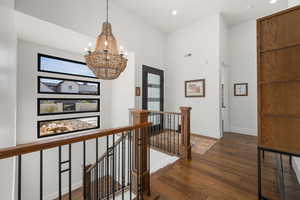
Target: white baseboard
x: 64, y: 191
x: 245, y: 131
x: 296, y: 166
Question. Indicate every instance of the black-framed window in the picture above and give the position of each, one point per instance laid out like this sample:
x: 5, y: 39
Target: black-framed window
x: 56, y: 106
x: 49, y: 85
x: 47, y: 128
x: 52, y: 64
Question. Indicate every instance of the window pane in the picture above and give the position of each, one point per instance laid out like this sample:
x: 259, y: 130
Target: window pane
x: 50, y: 64
x: 154, y: 106
x: 63, y: 126
x: 67, y: 86
x: 153, y: 92
x: 153, y: 79
x: 60, y: 106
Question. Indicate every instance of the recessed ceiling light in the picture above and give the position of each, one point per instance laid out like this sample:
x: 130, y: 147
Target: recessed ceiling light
x: 174, y: 12
x: 273, y: 1
x: 249, y: 6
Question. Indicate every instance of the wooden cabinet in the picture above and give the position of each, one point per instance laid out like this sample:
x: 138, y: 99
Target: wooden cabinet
x: 278, y: 53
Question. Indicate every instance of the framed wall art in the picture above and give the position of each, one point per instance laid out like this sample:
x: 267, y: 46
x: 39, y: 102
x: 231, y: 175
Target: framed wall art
x: 241, y: 89
x: 195, y: 88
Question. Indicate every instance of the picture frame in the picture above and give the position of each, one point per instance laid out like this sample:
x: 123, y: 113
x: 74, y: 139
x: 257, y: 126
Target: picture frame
x: 137, y: 91
x: 43, y: 87
x: 55, y: 127
x: 240, y: 89
x: 61, y: 106
x: 195, y: 88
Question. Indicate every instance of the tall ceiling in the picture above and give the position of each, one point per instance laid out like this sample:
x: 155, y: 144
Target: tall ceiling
x: 158, y: 12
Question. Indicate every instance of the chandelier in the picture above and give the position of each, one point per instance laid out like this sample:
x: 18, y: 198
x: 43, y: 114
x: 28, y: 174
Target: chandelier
x: 106, y: 62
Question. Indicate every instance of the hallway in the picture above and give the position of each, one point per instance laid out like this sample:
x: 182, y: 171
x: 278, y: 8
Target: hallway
x: 226, y: 172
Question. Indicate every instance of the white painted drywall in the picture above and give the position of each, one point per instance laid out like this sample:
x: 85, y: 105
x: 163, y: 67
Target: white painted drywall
x: 293, y: 3
x: 8, y: 72
x: 203, y: 41
x: 123, y: 95
x: 224, y: 73
x: 86, y: 17
x: 27, y: 125
x: 242, y: 62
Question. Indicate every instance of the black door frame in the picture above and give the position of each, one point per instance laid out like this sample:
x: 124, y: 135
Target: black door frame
x: 146, y: 69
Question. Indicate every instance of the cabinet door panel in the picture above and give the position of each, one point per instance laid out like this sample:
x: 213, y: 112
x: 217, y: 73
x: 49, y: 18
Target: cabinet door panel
x: 280, y: 65
x: 281, y: 133
x: 281, y: 98
x: 280, y: 31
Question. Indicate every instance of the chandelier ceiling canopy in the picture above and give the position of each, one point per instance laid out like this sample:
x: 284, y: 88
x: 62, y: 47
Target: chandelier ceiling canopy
x: 106, y: 61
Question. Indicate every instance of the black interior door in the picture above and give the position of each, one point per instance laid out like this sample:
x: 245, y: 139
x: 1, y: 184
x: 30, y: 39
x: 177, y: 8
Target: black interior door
x: 153, y: 89
x: 153, y: 96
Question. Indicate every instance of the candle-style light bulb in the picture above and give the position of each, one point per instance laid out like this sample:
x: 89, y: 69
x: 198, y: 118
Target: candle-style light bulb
x: 121, y: 50
x: 105, y: 43
x: 90, y: 44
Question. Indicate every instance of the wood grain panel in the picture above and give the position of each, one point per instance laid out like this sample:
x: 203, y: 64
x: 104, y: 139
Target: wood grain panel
x: 281, y: 133
x: 280, y: 65
x: 281, y: 98
x: 280, y: 31
x: 278, y: 69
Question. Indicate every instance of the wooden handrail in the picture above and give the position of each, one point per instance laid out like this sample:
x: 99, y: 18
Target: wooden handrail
x: 51, y: 143
x: 154, y: 111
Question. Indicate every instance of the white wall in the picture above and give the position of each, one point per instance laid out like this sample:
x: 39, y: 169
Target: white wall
x: 87, y: 16
x: 202, y: 40
x: 27, y: 125
x: 242, y: 49
x: 8, y: 42
x: 293, y: 3
x: 123, y: 95
x: 224, y: 59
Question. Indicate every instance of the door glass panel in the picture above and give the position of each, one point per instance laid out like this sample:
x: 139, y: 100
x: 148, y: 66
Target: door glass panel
x: 153, y: 79
x: 155, y: 105
x: 153, y: 92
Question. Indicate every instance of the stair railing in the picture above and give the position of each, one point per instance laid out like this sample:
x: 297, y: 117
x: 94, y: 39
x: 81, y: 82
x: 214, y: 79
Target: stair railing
x: 65, y: 165
x: 169, y: 132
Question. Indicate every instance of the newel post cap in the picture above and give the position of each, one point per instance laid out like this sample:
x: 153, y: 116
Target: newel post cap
x: 185, y: 108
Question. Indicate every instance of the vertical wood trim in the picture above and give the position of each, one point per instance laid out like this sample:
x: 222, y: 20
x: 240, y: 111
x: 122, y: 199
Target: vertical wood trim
x: 258, y: 85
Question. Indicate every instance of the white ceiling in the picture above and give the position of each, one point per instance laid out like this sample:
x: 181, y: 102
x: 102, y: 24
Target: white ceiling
x: 158, y: 12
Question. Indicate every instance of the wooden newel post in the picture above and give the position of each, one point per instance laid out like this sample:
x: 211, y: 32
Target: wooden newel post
x: 87, y: 183
x: 185, y: 147
x: 141, y: 171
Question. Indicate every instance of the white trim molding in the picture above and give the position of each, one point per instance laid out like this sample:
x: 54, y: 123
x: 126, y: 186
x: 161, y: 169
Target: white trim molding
x: 245, y: 131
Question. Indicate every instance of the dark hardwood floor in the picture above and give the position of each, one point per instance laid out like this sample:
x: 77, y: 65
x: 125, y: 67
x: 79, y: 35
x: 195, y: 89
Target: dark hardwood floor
x: 226, y: 172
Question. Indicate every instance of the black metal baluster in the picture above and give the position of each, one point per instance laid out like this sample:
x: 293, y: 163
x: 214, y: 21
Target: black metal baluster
x: 97, y: 180
x: 59, y: 172
x: 178, y: 134
x: 130, y: 165
x: 174, y: 134
x: 113, y: 166
x: 19, y: 177
x: 119, y: 165
x: 84, y: 169
x: 123, y: 166
x: 107, y: 167
x: 41, y: 174
x: 70, y: 171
